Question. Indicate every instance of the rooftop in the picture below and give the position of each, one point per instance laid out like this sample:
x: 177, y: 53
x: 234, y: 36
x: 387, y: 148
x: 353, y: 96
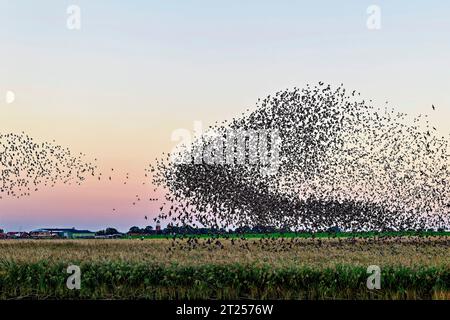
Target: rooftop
x: 73, y: 230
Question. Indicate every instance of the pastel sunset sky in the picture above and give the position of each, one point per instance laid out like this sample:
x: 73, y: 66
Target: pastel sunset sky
x: 137, y: 70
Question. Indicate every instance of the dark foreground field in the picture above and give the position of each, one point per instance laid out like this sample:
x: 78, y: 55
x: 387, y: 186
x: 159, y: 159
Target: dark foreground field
x: 295, y: 268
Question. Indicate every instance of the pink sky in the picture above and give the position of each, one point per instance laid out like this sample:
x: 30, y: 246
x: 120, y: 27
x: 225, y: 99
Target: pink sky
x: 136, y: 71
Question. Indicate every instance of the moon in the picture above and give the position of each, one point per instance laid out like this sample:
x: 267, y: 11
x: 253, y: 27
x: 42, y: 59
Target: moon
x: 10, y: 97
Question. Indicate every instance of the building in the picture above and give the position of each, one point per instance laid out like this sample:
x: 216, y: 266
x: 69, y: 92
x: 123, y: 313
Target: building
x: 43, y: 235
x: 17, y: 235
x: 68, y: 233
x: 109, y: 236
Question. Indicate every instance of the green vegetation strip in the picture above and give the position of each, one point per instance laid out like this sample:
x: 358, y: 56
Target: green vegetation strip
x: 121, y: 280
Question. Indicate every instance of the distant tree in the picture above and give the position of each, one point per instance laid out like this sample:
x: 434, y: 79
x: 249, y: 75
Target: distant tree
x: 2, y: 231
x: 135, y: 230
x: 148, y: 229
x: 110, y: 231
x: 243, y: 229
x: 334, y: 229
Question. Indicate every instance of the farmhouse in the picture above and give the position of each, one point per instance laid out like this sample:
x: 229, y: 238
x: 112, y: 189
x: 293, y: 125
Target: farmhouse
x: 16, y: 235
x: 68, y: 233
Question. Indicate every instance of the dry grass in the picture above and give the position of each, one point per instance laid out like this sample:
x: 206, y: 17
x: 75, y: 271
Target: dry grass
x: 409, y: 252
x: 412, y: 268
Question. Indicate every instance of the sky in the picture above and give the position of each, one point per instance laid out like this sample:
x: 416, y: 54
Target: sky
x: 136, y: 71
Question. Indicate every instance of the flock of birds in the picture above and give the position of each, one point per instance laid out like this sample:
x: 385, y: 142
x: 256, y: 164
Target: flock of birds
x: 26, y: 165
x: 340, y: 162
x: 280, y: 244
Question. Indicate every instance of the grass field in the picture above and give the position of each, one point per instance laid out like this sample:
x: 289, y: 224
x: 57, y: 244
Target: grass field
x: 412, y: 267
